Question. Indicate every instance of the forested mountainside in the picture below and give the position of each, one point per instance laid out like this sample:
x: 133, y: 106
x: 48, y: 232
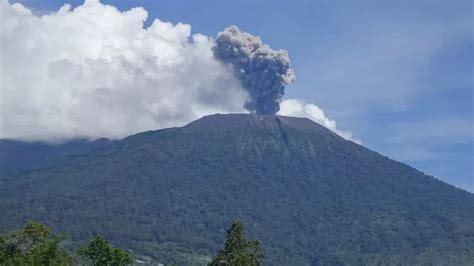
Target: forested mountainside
x: 18, y: 156
x: 308, y: 195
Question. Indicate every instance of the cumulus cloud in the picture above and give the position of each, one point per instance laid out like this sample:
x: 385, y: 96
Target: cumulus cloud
x: 94, y: 71
x: 292, y: 107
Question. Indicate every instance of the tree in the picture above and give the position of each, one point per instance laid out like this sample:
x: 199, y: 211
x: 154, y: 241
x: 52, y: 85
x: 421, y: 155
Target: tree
x: 33, y: 245
x: 237, y: 250
x: 102, y: 254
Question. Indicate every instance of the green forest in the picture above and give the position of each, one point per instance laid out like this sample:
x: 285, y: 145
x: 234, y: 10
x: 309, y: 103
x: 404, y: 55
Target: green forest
x: 309, y: 196
x: 35, y: 244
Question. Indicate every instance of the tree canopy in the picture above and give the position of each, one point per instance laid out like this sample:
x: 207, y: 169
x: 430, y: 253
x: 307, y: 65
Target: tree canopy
x: 32, y: 245
x: 102, y: 254
x: 237, y: 250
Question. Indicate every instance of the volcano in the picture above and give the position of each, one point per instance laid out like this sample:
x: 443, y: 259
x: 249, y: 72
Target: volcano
x: 310, y: 196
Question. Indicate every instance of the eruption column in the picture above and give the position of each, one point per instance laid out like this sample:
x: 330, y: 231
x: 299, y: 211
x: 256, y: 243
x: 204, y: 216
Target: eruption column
x: 263, y: 72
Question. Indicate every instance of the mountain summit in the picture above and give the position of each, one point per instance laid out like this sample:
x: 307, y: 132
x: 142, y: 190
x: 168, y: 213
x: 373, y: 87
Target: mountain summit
x: 309, y: 195
x: 226, y: 122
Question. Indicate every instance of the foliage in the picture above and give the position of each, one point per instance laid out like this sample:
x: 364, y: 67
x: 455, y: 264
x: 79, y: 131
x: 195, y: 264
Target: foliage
x: 17, y: 156
x: 33, y: 245
x: 102, y: 254
x: 237, y: 250
x: 310, y: 196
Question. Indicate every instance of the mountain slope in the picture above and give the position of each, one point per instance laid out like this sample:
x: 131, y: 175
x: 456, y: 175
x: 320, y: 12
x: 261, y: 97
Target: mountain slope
x: 310, y: 196
x: 17, y: 156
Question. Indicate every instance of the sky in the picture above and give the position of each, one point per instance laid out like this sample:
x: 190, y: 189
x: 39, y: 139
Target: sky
x: 396, y: 76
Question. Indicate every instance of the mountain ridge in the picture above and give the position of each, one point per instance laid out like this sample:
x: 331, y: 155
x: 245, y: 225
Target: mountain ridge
x: 309, y: 195
x: 18, y: 156
x: 254, y: 121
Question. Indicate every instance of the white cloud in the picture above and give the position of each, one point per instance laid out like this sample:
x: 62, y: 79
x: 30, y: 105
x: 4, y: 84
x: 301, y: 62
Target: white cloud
x: 292, y: 107
x: 94, y: 71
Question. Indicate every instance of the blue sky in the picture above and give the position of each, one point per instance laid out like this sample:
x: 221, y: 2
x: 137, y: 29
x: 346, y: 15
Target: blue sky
x: 398, y: 75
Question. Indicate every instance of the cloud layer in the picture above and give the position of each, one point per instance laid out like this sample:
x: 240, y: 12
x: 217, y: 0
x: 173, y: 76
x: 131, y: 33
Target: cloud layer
x: 94, y: 71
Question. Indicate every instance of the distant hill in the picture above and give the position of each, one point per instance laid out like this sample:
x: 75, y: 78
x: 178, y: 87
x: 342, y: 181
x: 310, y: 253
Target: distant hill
x: 18, y: 156
x: 310, y: 196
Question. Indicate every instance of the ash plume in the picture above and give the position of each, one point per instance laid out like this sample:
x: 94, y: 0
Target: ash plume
x: 263, y: 72
x: 155, y: 77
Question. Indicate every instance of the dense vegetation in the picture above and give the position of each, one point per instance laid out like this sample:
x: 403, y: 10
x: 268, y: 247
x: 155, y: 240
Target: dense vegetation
x: 99, y: 252
x: 35, y: 245
x: 310, y: 196
x: 237, y: 250
x: 17, y: 156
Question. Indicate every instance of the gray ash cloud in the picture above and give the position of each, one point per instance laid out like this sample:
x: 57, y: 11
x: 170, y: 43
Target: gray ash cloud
x: 263, y: 72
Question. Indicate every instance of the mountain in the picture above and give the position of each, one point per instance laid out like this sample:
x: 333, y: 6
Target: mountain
x: 17, y: 156
x: 310, y: 196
